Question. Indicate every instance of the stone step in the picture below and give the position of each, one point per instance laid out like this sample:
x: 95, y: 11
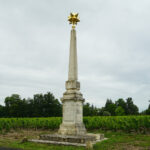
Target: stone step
x: 87, y: 144
x: 68, y: 138
x: 57, y: 143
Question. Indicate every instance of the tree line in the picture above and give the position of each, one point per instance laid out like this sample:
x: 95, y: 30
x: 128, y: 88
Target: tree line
x: 46, y: 105
x: 41, y: 105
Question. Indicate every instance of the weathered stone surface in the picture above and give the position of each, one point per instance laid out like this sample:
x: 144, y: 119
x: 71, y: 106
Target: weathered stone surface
x: 86, y: 140
x: 72, y: 99
x: 56, y: 142
x: 72, y: 129
x: 72, y: 84
x: 67, y: 138
x: 89, y: 145
x: 72, y: 118
x: 73, y: 66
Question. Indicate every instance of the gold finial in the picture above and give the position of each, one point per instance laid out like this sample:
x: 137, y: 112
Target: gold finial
x: 73, y: 19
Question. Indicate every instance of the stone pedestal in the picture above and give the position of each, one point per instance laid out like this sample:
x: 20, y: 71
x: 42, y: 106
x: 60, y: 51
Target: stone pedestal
x: 72, y: 101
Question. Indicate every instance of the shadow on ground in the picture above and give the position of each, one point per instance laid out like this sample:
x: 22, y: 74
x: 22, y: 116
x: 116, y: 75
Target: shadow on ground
x: 4, y: 148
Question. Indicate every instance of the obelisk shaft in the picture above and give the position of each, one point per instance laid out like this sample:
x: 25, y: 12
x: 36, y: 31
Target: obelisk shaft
x: 73, y: 67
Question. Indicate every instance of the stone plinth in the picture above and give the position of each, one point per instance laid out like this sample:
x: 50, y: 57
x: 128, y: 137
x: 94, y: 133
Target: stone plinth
x: 72, y: 102
x: 72, y: 118
x: 68, y: 138
x: 79, y: 140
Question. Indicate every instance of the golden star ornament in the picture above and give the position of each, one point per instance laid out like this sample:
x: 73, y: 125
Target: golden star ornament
x: 73, y: 19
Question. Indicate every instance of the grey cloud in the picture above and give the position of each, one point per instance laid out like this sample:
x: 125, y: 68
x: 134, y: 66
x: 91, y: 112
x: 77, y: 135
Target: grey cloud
x: 112, y: 40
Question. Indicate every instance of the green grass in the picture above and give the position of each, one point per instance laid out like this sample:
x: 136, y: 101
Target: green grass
x: 35, y: 146
x: 116, y: 141
x: 120, y: 140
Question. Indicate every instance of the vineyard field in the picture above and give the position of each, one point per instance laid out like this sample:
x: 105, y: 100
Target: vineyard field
x: 114, y: 123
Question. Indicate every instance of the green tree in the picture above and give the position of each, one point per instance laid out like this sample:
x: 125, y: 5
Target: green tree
x: 51, y: 106
x: 110, y: 107
x: 2, y: 111
x: 106, y: 113
x: 122, y: 103
x: 119, y: 111
x: 89, y: 110
x: 131, y: 108
x: 101, y: 111
x: 45, y: 105
x: 147, y: 112
x: 13, y: 104
x: 40, y: 106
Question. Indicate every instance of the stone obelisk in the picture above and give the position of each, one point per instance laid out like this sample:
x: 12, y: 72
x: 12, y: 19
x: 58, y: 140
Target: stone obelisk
x: 72, y: 130
x: 72, y: 100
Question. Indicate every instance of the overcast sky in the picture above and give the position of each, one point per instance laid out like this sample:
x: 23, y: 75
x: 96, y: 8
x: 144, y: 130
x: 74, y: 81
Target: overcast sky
x: 113, y: 42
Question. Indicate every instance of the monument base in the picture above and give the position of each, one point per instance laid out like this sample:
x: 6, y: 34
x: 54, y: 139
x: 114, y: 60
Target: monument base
x: 72, y: 129
x: 86, y: 140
